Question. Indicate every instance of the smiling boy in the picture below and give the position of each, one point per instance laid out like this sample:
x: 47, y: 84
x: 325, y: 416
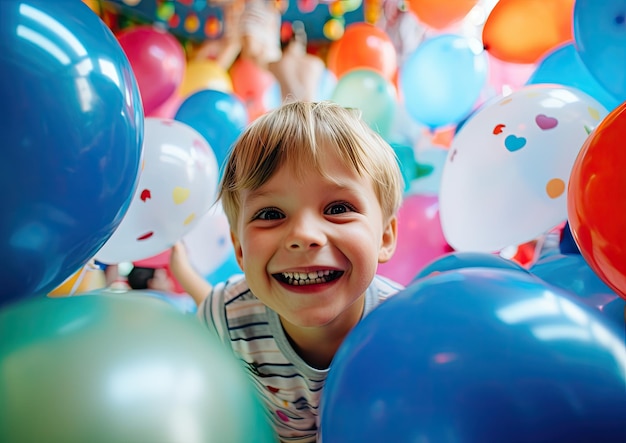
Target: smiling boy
x: 311, y: 194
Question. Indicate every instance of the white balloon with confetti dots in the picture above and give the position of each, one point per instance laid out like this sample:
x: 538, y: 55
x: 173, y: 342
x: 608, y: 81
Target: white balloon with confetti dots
x: 177, y: 186
x: 505, y: 178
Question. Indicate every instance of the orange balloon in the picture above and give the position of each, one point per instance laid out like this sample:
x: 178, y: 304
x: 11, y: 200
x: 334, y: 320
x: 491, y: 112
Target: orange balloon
x: 440, y: 14
x: 596, y: 200
x: 363, y: 45
x: 94, y: 5
x: 522, y: 31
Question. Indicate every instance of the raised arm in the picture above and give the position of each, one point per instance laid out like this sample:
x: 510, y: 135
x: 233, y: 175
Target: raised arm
x: 192, y: 282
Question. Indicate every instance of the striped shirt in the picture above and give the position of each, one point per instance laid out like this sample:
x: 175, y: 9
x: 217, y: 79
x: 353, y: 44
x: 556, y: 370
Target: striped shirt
x: 289, y: 387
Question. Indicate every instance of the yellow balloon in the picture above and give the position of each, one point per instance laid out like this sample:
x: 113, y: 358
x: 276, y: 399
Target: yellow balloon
x: 94, y: 5
x: 90, y: 279
x: 204, y: 74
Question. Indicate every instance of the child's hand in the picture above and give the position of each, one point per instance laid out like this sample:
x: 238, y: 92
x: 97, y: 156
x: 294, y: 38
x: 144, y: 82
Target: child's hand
x: 161, y: 281
x: 179, y: 259
x: 182, y: 270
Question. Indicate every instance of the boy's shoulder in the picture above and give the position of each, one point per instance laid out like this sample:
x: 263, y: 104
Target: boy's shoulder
x: 385, y: 286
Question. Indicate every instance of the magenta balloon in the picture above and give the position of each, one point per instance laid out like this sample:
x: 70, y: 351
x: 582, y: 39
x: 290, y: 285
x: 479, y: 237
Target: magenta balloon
x: 158, y: 61
x: 420, y: 238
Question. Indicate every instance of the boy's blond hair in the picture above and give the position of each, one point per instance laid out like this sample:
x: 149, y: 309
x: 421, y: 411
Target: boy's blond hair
x: 292, y: 135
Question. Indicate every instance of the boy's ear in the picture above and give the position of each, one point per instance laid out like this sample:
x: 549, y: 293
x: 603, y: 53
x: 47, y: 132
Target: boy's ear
x: 238, y: 250
x: 388, y: 241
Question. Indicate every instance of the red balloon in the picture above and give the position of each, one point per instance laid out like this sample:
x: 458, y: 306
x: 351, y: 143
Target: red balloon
x: 596, y: 200
x: 158, y: 62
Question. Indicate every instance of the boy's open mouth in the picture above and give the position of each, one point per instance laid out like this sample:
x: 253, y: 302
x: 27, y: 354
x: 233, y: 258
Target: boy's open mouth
x: 310, y: 278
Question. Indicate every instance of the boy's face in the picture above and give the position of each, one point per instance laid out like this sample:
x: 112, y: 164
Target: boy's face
x: 310, y: 247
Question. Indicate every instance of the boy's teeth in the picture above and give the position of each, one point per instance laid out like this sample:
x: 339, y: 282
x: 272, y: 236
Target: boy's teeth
x: 302, y: 278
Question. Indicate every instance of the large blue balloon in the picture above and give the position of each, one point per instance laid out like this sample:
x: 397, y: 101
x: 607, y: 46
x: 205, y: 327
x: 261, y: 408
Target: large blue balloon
x: 571, y: 272
x: 563, y: 66
x: 72, y: 136
x: 219, y: 117
x: 442, y: 80
x: 466, y: 259
x: 478, y: 356
x: 600, y: 38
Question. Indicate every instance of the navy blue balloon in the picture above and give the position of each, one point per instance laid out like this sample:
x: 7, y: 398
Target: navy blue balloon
x: 571, y: 272
x: 219, y: 117
x: 462, y: 259
x: 567, y: 244
x: 563, y: 66
x: 478, y: 356
x: 600, y: 39
x: 72, y: 137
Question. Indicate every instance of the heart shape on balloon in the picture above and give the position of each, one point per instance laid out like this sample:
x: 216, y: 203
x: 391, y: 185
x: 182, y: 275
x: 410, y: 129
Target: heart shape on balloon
x: 513, y: 143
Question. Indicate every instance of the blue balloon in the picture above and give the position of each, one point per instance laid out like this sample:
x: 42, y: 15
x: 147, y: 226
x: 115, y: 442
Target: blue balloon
x: 478, y: 356
x: 616, y: 311
x: 72, y: 141
x: 563, y: 66
x: 571, y: 272
x: 601, y: 42
x: 459, y: 260
x: 567, y: 244
x: 442, y: 80
x: 218, y: 116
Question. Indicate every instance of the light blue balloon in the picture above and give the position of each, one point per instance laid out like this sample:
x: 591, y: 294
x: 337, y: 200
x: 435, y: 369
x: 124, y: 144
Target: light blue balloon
x: 442, y: 80
x: 563, y: 66
x: 326, y: 86
x: 600, y: 38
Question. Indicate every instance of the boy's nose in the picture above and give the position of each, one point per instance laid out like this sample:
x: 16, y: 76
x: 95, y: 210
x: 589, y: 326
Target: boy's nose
x: 305, y: 232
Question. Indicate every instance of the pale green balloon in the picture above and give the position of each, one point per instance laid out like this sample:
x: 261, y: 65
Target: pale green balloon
x: 368, y: 91
x: 107, y: 367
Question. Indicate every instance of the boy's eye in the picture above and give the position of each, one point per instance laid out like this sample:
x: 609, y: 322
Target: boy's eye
x: 339, y: 208
x: 268, y: 214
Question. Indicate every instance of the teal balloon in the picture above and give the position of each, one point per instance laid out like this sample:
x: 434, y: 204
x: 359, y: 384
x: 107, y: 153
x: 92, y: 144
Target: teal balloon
x: 372, y: 94
x: 115, y: 368
x: 563, y: 66
x: 443, y: 79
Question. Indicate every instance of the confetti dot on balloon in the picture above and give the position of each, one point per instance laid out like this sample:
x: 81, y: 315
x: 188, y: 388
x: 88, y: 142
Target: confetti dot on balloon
x: 593, y: 113
x: 179, y: 195
x: 189, y: 219
x: 555, y: 188
x: 506, y: 101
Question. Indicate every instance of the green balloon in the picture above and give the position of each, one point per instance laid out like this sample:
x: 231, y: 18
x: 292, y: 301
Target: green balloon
x: 106, y: 367
x: 368, y: 91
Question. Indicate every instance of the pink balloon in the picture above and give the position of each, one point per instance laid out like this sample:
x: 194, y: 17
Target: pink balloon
x: 158, y: 62
x: 420, y: 238
x: 168, y: 108
x: 157, y: 261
